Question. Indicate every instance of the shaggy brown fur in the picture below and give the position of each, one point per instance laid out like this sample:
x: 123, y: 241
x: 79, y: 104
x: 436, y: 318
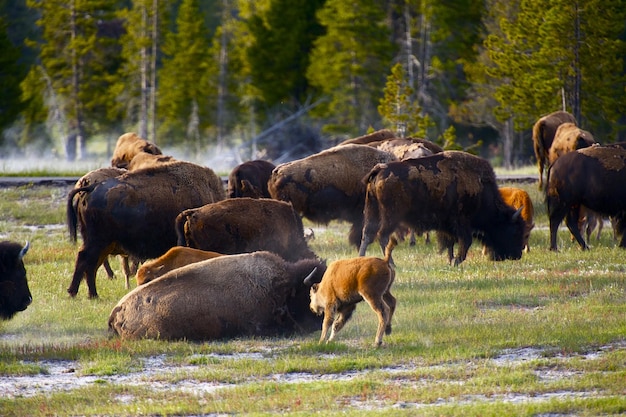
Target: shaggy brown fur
x: 518, y: 198
x: 350, y: 281
x: 568, y: 138
x: 15, y: 295
x: 174, y: 258
x: 249, y: 179
x: 377, y: 136
x: 543, y: 135
x: 328, y: 185
x: 146, y: 160
x: 252, y: 294
x: 135, y: 213
x: 238, y: 225
x: 128, y: 145
x: 592, y: 177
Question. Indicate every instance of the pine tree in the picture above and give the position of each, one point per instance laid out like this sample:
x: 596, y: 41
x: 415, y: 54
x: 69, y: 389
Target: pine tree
x: 78, y: 54
x: 279, y: 55
x: 348, y: 63
x: 399, y: 109
x: 11, y: 75
x: 183, y: 98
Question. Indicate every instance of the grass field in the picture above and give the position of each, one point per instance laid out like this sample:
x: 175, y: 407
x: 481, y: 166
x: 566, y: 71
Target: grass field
x: 542, y: 336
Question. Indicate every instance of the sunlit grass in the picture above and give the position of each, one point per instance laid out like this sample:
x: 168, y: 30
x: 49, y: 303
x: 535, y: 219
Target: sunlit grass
x: 450, y: 323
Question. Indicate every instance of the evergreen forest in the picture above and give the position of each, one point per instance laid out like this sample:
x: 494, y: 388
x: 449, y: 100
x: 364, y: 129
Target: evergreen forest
x: 280, y: 79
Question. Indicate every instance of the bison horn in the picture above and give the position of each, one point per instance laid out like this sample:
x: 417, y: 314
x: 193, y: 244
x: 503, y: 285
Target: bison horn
x: 24, y: 250
x: 517, y: 213
x: 307, y: 280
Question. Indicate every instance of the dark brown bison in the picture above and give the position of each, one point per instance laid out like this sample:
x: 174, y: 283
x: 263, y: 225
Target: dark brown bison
x: 244, y: 225
x: 252, y: 294
x: 568, y: 138
x: 452, y: 192
x: 135, y: 213
x: 128, y: 145
x: 249, y: 179
x: 543, y: 135
x: 14, y: 292
x: 94, y: 177
x: 593, y: 177
x: 328, y: 185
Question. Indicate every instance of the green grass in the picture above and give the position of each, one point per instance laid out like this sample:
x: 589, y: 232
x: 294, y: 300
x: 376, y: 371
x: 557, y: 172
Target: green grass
x: 451, y: 326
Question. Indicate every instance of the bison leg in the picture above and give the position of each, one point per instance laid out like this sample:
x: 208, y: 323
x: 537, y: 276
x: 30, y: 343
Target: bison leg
x: 390, y: 300
x: 465, y: 241
x: 382, y: 311
x: 107, y: 267
x: 555, y: 215
x: 87, y: 262
x: 329, y: 315
x: 571, y: 221
x: 343, y: 315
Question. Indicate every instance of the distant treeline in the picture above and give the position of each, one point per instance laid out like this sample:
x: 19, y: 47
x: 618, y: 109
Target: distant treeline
x: 203, y: 73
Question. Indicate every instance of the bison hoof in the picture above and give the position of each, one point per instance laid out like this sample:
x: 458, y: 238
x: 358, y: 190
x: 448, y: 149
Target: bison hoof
x: 72, y: 292
x: 388, y: 330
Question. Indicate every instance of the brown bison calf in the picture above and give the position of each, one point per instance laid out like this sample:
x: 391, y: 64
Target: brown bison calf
x: 347, y: 282
x: 174, y: 258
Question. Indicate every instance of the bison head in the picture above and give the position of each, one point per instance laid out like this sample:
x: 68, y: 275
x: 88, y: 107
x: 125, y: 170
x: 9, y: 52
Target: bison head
x: 14, y: 292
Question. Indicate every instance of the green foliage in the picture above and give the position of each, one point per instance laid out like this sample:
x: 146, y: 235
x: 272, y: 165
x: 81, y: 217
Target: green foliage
x: 11, y: 75
x: 183, y: 78
x: 347, y: 62
x: 398, y: 108
x: 278, y: 56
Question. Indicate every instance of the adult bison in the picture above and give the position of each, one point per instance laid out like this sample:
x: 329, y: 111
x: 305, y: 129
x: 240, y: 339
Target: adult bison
x: 135, y: 213
x: 244, y: 225
x: 328, y: 185
x: 252, y: 294
x: 543, y: 135
x: 14, y: 292
x: 94, y: 177
x: 249, y: 179
x: 568, y: 138
x: 128, y: 145
x: 593, y: 177
x: 452, y: 192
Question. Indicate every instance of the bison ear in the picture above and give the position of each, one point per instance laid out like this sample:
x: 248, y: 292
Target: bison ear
x: 517, y: 213
x: 24, y: 250
x: 314, y: 287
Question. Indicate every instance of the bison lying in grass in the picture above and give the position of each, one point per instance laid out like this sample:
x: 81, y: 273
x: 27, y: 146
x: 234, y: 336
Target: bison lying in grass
x: 252, y: 294
x: 174, y: 258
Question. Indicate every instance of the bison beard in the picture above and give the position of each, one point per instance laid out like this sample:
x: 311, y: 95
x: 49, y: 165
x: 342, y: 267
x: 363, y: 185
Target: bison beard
x: 255, y: 294
x: 454, y: 193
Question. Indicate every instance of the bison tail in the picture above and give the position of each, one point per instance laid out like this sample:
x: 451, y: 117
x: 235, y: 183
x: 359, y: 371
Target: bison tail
x: 370, y: 176
x: 71, y: 212
x: 180, y: 222
x: 390, y: 245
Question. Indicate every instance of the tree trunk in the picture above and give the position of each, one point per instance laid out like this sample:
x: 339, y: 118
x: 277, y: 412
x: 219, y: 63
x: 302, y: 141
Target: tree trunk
x: 143, y: 73
x: 153, y: 62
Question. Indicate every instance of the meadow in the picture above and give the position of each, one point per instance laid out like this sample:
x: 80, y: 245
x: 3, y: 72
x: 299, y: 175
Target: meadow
x: 541, y: 336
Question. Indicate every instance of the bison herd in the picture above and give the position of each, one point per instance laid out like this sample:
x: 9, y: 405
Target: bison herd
x: 234, y: 261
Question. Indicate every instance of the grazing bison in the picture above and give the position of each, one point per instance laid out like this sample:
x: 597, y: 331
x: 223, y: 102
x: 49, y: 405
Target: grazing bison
x: 135, y: 213
x: 568, y: 138
x: 519, y: 199
x: 94, y: 177
x: 452, y: 192
x: 244, y: 225
x: 347, y: 282
x: 328, y: 185
x: 543, y: 135
x: 14, y: 293
x: 174, y: 258
x: 252, y: 294
x: 128, y: 145
x: 249, y: 179
x: 593, y: 177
